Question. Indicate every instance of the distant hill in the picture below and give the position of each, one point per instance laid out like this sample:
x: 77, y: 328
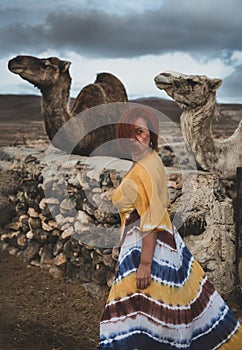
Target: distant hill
x: 20, y: 107
x: 28, y: 107
x: 168, y: 107
x: 21, y: 118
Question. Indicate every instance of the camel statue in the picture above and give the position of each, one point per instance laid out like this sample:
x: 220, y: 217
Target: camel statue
x: 196, y: 96
x: 52, y: 77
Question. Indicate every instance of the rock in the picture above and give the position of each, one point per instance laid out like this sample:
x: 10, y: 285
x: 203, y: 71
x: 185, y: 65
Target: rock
x: 6, y: 156
x: 60, y: 259
x: 41, y: 236
x: 75, y: 274
x: 4, y: 245
x: 52, y: 224
x: 34, y: 223
x: 49, y: 201
x: 33, y: 213
x: 66, y: 205
x: 30, y: 234
x: 75, y: 182
x: 22, y: 241
x: 35, y: 263
x: 15, y: 225
x: 67, y: 233
x: 60, y: 219
x: 100, y: 274
x: 219, y: 190
x: 23, y: 218
x: 12, y: 250
x: 104, y: 214
x: 110, y: 279
x: 86, y: 254
x: 223, y: 212
x: 83, y: 217
x: 58, y: 247
x: 115, y: 253
x: 56, y: 272
x: 8, y: 237
x: 107, y: 251
x: 71, y: 248
x: 55, y: 233
x: 46, y: 227
x: 94, y: 176
x: 30, y: 158
x: 115, y: 178
x: 79, y: 227
x: 167, y: 160
x: 42, y: 204
x: 31, y: 252
x: 78, y: 261
x: 46, y: 256
x: 96, y: 258
x: 108, y: 261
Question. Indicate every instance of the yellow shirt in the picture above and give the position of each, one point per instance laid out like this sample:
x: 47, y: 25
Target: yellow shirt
x: 144, y: 188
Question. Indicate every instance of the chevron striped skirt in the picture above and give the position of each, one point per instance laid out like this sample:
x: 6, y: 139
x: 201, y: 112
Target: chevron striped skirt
x: 179, y: 310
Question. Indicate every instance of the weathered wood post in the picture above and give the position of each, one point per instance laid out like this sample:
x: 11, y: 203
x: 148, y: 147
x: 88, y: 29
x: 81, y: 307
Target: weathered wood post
x: 238, y: 228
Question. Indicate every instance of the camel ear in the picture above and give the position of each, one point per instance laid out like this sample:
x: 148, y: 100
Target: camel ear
x: 65, y: 66
x: 215, y: 84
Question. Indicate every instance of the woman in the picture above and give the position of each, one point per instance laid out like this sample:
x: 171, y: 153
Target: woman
x: 160, y: 298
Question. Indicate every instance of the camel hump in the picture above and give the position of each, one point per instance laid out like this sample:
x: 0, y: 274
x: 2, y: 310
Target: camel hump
x: 113, y: 87
x: 106, y: 89
x: 90, y: 96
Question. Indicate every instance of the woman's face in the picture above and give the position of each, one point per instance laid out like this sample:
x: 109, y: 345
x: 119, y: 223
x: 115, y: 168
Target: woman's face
x: 141, y: 142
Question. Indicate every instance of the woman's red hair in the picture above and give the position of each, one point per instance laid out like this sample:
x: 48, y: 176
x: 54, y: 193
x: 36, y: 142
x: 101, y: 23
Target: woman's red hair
x: 125, y: 128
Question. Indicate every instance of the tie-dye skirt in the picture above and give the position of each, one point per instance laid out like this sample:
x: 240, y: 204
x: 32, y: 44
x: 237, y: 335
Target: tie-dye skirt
x: 179, y: 310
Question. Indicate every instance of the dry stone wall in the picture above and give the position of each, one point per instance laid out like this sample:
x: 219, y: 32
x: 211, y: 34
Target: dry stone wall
x: 63, y: 219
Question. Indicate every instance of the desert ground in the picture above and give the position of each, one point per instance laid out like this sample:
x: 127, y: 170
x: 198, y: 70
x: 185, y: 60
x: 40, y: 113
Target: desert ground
x: 38, y: 312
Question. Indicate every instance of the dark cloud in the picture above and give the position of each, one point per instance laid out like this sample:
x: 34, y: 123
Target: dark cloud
x: 177, y: 26
x: 231, y: 89
x: 20, y: 38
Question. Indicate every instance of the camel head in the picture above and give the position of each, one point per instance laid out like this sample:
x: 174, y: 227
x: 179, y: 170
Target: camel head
x: 41, y: 72
x: 189, y: 91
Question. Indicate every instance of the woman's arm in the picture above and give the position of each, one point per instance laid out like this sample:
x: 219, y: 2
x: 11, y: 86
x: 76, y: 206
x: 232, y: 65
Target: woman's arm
x: 143, y: 276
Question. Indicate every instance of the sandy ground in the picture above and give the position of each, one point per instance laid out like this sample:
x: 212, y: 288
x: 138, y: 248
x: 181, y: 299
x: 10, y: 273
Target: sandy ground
x: 38, y: 312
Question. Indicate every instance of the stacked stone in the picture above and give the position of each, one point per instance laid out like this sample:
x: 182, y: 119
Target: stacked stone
x: 64, y: 220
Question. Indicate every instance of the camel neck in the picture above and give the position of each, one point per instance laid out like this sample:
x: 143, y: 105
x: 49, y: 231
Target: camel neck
x: 55, y: 109
x: 196, y: 123
x: 196, y: 130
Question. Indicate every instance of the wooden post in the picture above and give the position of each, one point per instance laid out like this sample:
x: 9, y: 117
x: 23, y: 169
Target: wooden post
x: 238, y: 228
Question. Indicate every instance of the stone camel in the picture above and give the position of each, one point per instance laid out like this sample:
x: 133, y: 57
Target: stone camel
x: 196, y: 96
x: 51, y: 75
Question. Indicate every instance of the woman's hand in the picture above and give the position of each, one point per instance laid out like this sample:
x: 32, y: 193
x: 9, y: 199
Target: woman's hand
x: 143, y: 276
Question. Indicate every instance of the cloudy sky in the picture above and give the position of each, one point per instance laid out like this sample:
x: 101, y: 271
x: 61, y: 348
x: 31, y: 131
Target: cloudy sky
x: 135, y: 40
